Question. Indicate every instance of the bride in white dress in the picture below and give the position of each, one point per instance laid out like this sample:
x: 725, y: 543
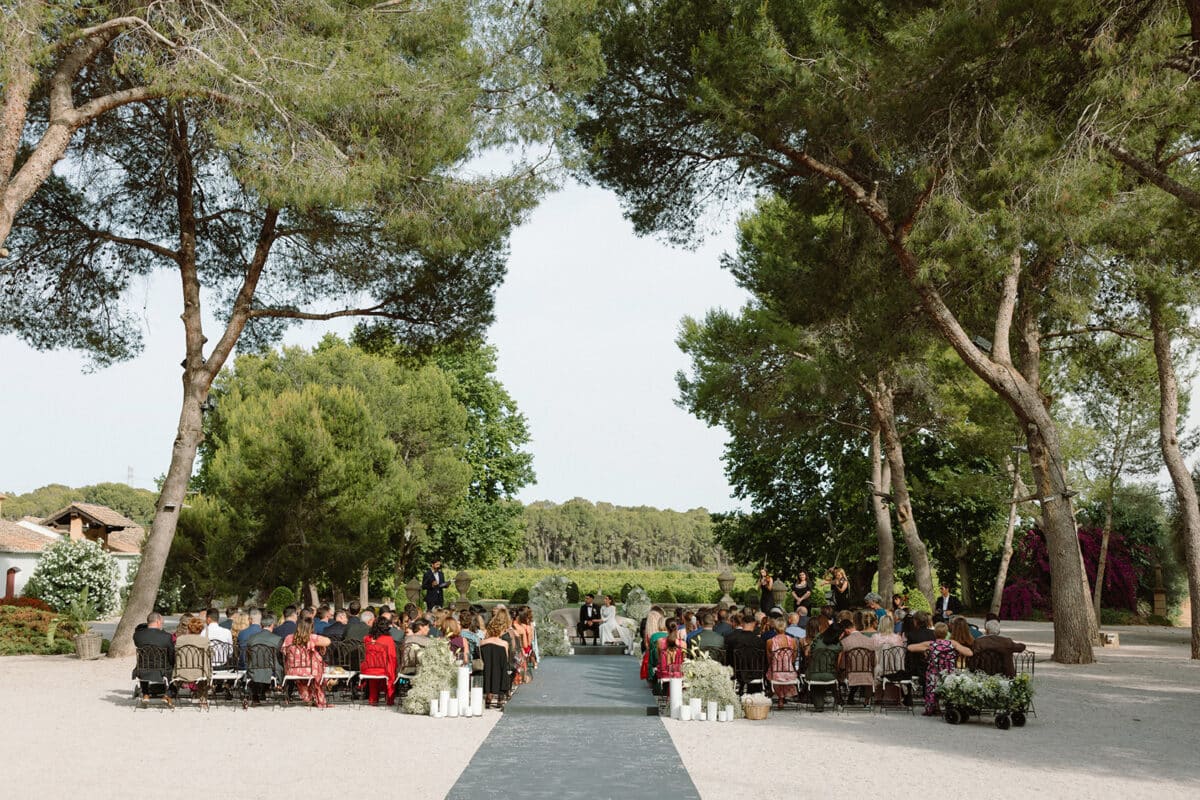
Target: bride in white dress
x: 611, y: 630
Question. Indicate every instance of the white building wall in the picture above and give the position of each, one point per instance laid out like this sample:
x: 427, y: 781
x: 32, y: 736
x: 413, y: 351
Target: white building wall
x: 22, y: 561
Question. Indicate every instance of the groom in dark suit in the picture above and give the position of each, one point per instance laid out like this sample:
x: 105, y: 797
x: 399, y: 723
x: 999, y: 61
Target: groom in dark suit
x: 589, y: 619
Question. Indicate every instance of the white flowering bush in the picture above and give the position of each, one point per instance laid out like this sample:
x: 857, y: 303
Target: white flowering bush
x: 706, y: 679
x: 548, y: 595
x: 69, y: 567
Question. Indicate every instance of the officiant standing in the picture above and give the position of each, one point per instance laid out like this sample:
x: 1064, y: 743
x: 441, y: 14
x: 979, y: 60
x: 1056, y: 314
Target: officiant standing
x: 433, y: 583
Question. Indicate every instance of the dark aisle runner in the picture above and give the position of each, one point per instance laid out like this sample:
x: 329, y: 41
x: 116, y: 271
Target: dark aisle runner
x: 581, y: 729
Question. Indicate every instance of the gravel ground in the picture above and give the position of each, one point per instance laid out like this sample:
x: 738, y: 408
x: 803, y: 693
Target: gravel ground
x: 73, y: 732
x: 1125, y: 726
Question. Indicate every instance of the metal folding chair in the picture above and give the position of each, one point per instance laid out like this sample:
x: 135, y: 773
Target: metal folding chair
x: 860, y: 662
x: 893, y: 661
x: 152, y: 673
x: 822, y: 662
x: 193, y: 672
x: 750, y: 669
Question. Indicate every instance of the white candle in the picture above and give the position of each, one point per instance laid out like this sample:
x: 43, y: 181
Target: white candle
x: 712, y: 711
x: 730, y: 716
x: 444, y: 701
x: 685, y: 713
x: 477, y: 701
x: 695, y: 704
x: 464, y: 686
x: 702, y: 716
x: 721, y: 715
x: 453, y: 711
x: 676, y: 686
x: 433, y: 707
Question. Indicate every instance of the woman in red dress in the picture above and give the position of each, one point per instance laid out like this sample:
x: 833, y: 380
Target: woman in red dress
x: 379, y: 659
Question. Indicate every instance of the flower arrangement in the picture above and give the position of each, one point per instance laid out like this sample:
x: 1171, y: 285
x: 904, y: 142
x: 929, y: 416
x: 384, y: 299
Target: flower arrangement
x: 438, y: 673
x: 545, y: 597
x: 68, y: 567
x: 637, y: 604
x: 706, y: 679
x: 971, y: 689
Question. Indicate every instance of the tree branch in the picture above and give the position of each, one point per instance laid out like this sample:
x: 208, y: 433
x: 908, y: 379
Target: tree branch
x: 1001, y: 332
x: 1185, y: 194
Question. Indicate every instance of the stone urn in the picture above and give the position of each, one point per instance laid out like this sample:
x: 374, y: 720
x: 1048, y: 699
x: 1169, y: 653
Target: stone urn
x: 412, y: 590
x: 726, y: 580
x: 779, y: 592
x: 462, y: 582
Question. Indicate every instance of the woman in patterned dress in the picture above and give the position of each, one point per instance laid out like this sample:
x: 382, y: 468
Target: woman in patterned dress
x: 301, y: 657
x: 781, y: 669
x: 941, y: 656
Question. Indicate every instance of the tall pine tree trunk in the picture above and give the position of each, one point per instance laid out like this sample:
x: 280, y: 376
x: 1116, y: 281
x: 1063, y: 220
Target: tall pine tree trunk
x: 1181, y: 479
x: 881, y: 475
x: 1007, y: 550
x: 1102, y: 562
x: 883, y: 408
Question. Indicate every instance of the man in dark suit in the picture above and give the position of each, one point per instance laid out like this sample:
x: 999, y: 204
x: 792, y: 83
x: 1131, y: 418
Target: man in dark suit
x: 357, y: 625
x: 262, y: 674
x: 151, y: 634
x: 946, y: 606
x: 589, y: 619
x: 336, y: 630
x: 433, y: 583
x: 288, y: 626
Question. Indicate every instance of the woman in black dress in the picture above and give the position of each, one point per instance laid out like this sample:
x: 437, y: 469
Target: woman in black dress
x: 765, y: 582
x: 801, y: 591
x: 839, y: 587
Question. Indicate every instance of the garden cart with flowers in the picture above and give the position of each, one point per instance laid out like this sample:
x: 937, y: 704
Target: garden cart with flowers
x: 967, y: 694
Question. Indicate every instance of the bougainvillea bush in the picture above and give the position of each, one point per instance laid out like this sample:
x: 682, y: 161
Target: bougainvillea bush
x: 69, y: 567
x: 1028, y: 587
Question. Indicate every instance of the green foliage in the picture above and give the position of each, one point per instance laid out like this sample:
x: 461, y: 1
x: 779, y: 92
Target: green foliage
x: 321, y: 462
x: 976, y: 690
x: 27, y: 631
x: 280, y: 598
x: 694, y: 588
x: 624, y: 593
x: 573, y: 595
x: 438, y: 673
x: 137, y: 504
x: 818, y: 600
x: 665, y: 596
x: 916, y: 600
x: 519, y: 596
x: 70, y: 567
x: 82, y: 609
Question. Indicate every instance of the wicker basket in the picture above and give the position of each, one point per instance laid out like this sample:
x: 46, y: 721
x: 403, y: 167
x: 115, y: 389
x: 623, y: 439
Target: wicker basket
x: 87, y: 646
x: 756, y: 711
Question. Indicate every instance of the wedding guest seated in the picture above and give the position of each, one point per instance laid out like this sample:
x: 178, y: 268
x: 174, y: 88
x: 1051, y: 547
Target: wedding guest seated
x: 358, y: 624
x: 671, y: 649
x: 244, y: 635
x: 960, y: 631
x: 380, y: 659
x: 215, y: 633
x: 302, y: 656
x: 722, y: 626
x: 781, y: 663
x: 706, y: 636
x: 227, y: 623
x: 323, y: 619
x: 452, y: 631
x: 992, y: 641
x: 920, y: 631
x: 794, y: 628
x: 493, y: 649
x: 153, y: 681
x: 822, y: 662
x: 874, y: 603
x: 941, y: 656
x: 262, y: 674
x: 336, y: 630
x: 802, y: 612
x: 288, y: 626
x: 417, y: 637
x: 855, y: 638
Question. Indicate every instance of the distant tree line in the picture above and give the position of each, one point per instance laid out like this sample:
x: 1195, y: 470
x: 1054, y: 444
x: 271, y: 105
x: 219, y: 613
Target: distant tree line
x: 579, y: 533
x: 137, y: 504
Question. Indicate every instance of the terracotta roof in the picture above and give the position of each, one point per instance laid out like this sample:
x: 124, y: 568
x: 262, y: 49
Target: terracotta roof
x: 102, y: 515
x: 15, y: 538
x: 129, y: 540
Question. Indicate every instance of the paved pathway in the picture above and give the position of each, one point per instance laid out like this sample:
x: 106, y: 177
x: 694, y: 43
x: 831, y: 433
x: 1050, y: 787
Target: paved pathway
x: 581, y: 729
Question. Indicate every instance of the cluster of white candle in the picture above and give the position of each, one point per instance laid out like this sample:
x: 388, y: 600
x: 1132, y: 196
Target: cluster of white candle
x: 467, y: 702
x: 696, y: 709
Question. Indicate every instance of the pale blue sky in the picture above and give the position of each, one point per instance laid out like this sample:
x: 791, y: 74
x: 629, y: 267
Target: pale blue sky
x: 586, y: 323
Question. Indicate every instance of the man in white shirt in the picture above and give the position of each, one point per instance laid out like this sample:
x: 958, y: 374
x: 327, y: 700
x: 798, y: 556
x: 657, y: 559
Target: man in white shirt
x: 215, y: 633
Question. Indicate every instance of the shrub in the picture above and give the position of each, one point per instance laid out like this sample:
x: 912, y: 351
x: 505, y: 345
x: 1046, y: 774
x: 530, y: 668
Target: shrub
x: 916, y: 600
x: 69, y: 567
x: 30, y: 631
x: 1020, y: 599
x: 637, y: 604
x: 817, y: 600
x: 26, y: 602
x: 750, y: 598
x: 280, y: 599
x: 625, y: 588
x: 666, y: 596
x: 519, y: 597
x: 573, y: 595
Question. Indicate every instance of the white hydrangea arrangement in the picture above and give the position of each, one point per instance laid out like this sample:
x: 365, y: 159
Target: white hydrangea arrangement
x: 546, y: 596
x: 438, y: 673
x: 637, y: 605
x: 971, y: 689
x: 706, y: 679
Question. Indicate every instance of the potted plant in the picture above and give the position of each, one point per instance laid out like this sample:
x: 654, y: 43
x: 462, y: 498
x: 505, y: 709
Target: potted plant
x: 81, y: 611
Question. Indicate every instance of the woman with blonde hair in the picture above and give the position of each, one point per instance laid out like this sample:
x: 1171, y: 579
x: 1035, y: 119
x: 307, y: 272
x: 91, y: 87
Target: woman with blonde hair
x: 839, y: 587
x: 302, y: 656
x: 494, y: 650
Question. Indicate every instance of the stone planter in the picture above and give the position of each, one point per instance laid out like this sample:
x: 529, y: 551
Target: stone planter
x: 779, y: 593
x: 726, y: 580
x: 412, y: 590
x: 462, y: 582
